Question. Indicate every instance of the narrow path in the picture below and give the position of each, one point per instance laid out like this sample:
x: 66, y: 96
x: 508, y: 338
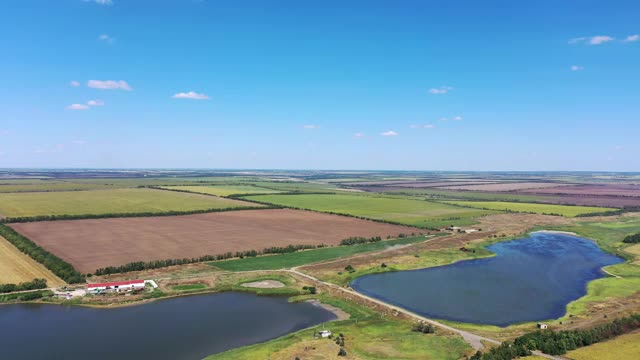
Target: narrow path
x: 614, y: 275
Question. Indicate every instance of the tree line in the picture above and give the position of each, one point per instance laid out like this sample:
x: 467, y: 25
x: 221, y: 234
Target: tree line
x: 23, y: 286
x: 57, y: 266
x: 632, y: 239
x: 156, y: 264
x: 23, y: 219
x: 560, y: 342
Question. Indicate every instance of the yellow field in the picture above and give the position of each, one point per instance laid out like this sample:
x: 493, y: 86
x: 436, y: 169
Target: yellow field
x: 16, y: 267
x: 635, y: 250
x: 625, y: 347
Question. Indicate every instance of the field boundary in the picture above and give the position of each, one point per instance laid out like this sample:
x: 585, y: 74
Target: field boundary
x: 59, y: 267
x: 24, y: 219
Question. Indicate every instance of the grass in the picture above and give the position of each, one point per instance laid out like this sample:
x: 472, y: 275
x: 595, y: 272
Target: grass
x: 623, y: 347
x: 234, y: 282
x: 394, y: 209
x: 16, y: 267
x: 189, y: 287
x: 224, y: 190
x: 284, y: 261
x: 564, y: 210
x: 466, y: 195
x: 106, y: 202
x: 367, y: 336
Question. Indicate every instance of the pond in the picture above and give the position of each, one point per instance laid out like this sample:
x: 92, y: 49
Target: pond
x: 529, y: 279
x: 190, y: 327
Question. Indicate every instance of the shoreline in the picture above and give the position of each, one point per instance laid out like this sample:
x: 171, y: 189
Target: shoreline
x: 338, y: 312
x: 555, y: 232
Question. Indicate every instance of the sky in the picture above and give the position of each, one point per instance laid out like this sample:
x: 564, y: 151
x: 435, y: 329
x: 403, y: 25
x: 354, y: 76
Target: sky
x: 390, y: 85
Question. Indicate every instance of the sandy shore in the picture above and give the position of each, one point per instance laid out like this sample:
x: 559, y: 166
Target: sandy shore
x: 341, y: 314
x: 556, y: 232
x: 264, y: 284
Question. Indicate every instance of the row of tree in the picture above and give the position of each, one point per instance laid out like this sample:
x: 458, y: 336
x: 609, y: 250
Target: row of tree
x: 120, y: 215
x: 24, y: 286
x: 156, y: 264
x: 560, y: 342
x: 632, y: 239
x: 57, y: 266
x: 359, y: 240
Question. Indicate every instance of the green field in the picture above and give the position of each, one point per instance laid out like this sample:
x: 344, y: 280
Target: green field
x: 436, y: 194
x: 367, y: 336
x: 564, y: 210
x: 399, y: 210
x: 223, y: 190
x: 117, y: 201
x: 285, y: 261
x: 620, y: 348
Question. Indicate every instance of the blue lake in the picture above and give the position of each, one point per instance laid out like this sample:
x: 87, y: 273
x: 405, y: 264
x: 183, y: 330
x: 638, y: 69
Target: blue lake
x: 191, y: 327
x: 529, y: 279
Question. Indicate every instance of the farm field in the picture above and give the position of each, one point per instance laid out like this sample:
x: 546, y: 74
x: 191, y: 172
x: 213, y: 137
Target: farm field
x: 108, y: 201
x: 96, y: 243
x: 282, y: 261
x: 51, y: 186
x: 405, y: 211
x: 517, y: 186
x: 223, y: 190
x: 564, y: 210
x: 601, y: 190
x: 16, y: 267
x: 623, y: 347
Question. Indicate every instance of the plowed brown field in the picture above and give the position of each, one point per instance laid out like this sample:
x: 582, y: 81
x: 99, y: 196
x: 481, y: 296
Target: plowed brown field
x: 96, y: 243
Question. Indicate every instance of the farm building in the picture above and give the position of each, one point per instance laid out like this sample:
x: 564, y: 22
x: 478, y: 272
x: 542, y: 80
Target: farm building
x: 542, y: 326
x: 325, y: 333
x: 119, y: 286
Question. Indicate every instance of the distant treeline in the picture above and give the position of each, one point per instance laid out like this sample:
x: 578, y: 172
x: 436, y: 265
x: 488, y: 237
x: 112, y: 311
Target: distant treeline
x: 363, y: 240
x: 604, y: 213
x: 24, y: 286
x: 155, y: 264
x: 560, y: 342
x: 121, y: 215
x: 57, y: 266
x: 632, y: 239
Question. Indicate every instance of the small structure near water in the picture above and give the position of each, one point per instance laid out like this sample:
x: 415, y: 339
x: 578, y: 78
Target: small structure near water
x: 118, y: 286
x: 542, y: 326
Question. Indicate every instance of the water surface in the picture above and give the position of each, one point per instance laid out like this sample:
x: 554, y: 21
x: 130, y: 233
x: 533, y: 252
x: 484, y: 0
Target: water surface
x: 529, y: 279
x: 190, y: 327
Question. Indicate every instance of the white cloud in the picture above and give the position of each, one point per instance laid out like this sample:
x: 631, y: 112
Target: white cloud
x: 4, y: 132
x: 592, y: 40
x: 389, y: 133
x: 103, y: 2
x: 425, y: 126
x: 77, y: 107
x: 106, y: 38
x: 311, y: 126
x: 577, y: 68
x: 109, y: 84
x: 458, y: 118
x: 440, y: 91
x: 359, y: 135
x: 600, y: 39
x: 618, y: 147
x: 192, y: 95
x: 74, y: 83
x: 631, y: 38
x: 443, y: 119
x: 79, y: 142
x: 95, y: 103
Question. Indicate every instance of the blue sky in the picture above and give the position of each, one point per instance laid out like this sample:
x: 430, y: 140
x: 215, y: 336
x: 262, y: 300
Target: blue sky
x: 399, y: 85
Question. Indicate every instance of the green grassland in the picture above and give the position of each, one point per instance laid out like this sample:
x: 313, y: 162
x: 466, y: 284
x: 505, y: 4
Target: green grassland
x: 367, y: 335
x: 622, y: 347
x: 118, y: 201
x: 285, y: 261
x: 223, y: 190
x: 437, y: 194
x: 294, y: 186
x: 417, y: 213
x: 189, y: 287
x: 564, y: 210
